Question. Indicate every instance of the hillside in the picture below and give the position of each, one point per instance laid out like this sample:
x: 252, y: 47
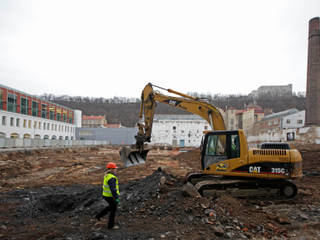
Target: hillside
x: 128, y: 113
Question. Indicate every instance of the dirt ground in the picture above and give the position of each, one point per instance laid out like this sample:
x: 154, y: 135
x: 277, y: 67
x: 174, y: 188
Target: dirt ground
x: 54, y: 194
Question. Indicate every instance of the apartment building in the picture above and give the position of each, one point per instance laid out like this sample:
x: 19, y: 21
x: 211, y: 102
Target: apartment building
x: 25, y: 116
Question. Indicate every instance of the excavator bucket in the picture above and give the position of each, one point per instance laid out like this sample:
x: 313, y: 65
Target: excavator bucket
x: 131, y: 157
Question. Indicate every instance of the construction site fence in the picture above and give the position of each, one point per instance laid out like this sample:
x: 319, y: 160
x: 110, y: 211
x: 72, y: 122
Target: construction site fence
x: 40, y: 143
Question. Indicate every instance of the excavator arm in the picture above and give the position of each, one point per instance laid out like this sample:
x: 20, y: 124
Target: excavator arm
x: 149, y: 99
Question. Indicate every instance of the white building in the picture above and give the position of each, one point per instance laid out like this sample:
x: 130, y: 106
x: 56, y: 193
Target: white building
x: 293, y: 121
x: 26, y: 116
x: 178, y: 130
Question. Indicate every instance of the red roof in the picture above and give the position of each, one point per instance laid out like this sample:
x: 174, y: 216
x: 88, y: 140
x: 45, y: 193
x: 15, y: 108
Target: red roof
x: 240, y: 111
x: 93, y: 117
x: 112, y: 125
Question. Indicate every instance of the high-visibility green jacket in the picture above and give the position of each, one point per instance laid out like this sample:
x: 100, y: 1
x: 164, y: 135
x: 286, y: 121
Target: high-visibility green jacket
x: 110, y: 186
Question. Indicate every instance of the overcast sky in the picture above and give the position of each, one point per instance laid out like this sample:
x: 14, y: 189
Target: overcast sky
x: 114, y: 48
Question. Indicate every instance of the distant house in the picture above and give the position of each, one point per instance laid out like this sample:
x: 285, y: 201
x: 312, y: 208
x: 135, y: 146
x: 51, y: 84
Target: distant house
x: 244, y: 118
x: 273, y: 91
x: 288, y: 119
x: 93, y: 121
x: 112, y: 125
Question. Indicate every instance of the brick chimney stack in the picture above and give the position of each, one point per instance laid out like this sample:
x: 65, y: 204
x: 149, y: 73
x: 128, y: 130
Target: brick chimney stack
x: 313, y: 74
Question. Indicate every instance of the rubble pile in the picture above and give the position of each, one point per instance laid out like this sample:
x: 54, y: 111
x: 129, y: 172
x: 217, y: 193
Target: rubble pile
x: 137, y: 192
x: 50, y: 201
x: 86, y: 199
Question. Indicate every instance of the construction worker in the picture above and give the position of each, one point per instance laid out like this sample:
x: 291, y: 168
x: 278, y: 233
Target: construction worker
x: 111, y: 194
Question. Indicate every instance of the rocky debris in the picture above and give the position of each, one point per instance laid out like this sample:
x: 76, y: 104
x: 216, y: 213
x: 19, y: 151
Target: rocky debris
x: 189, y: 190
x: 86, y: 199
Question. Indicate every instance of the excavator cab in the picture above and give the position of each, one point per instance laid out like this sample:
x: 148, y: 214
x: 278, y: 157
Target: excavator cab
x: 220, y: 146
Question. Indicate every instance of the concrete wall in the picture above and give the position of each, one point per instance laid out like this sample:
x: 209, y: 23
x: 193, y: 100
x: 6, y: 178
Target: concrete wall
x: 305, y: 135
x: 231, y: 119
x: 111, y: 135
x: 40, y: 143
x: 247, y: 119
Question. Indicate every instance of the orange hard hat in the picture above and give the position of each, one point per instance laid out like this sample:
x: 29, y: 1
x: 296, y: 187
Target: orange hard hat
x: 111, y: 165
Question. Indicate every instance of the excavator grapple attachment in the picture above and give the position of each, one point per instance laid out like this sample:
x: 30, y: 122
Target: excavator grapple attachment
x: 131, y: 157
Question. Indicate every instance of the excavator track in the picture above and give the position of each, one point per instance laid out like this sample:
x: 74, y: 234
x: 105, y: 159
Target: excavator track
x: 241, y: 187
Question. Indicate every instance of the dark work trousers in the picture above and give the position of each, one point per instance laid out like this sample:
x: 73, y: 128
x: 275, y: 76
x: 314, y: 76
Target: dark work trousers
x: 112, y: 208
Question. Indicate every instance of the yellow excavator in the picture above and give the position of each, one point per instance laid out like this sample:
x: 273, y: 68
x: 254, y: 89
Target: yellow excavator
x: 226, y: 161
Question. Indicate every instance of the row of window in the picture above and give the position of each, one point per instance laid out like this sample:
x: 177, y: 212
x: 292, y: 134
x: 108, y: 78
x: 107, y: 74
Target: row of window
x: 18, y: 122
x: 37, y: 136
x: 299, y: 121
x: 25, y: 104
x: 288, y: 121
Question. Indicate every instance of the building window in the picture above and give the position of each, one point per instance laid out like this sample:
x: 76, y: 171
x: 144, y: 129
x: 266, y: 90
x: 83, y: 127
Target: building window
x: 24, y: 123
x: 35, y: 124
x: 64, y: 115
x: 35, y: 109
x: 51, y: 113
x: 11, y: 121
x: 18, y: 122
x: 27, y: 136
x: 205, y: 127
x: 58, y: 116
x: 48, y: 126
x: 174, y: 128
x: 24, y: 106
x: 70, y: 117
x: 44, y: 126
x: 39, y: 125
x: 14, y: 135
x: 4, y: 120
x: 44, y: 113
x: 299, y: 121
x: 1, y: 98
x: 288, y: 121
x: 12, y: 102
x: 29, y: 124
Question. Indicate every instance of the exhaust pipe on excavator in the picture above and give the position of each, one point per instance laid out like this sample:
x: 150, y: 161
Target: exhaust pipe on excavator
x: 131, y: 157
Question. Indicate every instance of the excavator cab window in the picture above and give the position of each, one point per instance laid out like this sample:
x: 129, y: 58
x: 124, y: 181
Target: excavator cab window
x: 235, y: 146
x: 220, y: 146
